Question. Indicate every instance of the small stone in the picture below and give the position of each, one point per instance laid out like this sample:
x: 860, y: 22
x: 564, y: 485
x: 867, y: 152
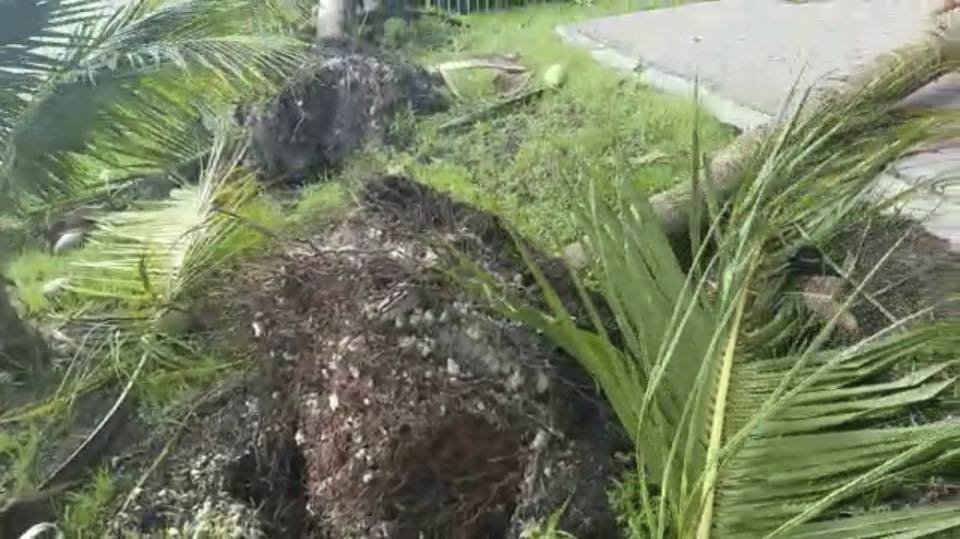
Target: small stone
x: 473, y: 331
x: 428, y: 318
x: 575, y: 255
x: 515, y: 382
x: 334, y: 402
x: 257, y: 330
x: 543, y: 383
x: 354, y: 372
x: 298, y: 437
x: 453, y: 368
x: 69, y: 240
x: 540, y: 441
x: 367, y: 477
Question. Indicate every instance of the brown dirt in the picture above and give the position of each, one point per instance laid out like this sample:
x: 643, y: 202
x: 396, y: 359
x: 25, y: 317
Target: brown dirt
x: 387, y: 403
x: 918, y: 273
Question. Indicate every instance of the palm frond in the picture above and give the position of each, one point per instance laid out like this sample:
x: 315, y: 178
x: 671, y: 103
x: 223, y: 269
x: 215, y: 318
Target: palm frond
x: 730, y: 440
x: 155, y: 252
x: 36, y: 37
x: 131, y: 99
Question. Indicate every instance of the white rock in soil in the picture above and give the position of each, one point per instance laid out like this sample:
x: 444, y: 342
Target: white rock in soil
x: 69, y: 240
x: 540, y: 441
x: 473, y: 331
x: 543, y: 383
x: 453, y: 368
x: 515, y: 382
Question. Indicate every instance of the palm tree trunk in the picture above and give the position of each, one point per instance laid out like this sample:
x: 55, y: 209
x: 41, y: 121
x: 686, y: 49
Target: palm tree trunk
x: 20, y: 345
x: 726, y: 167
x: 929, y: 60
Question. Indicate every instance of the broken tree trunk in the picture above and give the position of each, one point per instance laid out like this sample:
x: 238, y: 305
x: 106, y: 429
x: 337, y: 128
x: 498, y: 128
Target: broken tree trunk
x: 728, y: 166
x: 20, y: 345
x: 920, y: 64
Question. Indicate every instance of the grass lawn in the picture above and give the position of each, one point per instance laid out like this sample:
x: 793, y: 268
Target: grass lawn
x: 532, y: 163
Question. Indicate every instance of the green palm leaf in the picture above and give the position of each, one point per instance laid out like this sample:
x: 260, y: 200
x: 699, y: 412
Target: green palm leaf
x: 732, y: 438
x: 128, y: 93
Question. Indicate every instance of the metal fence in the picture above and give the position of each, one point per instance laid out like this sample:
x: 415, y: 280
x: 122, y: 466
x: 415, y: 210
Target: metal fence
x: 466, y: 7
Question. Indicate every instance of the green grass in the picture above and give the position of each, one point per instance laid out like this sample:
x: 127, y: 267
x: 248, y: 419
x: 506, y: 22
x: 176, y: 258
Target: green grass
x: 32, y: 270
x: 532, y: 163
x: 318, y: 202
x: 19, y: 452
x: 85, y: 510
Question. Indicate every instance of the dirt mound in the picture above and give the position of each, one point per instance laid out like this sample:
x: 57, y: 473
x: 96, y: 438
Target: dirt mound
x: 332, y: 107
x: 419, y: 414
x: 388, y: 404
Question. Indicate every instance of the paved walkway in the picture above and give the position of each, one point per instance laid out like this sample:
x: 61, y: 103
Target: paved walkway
x: 748, y: 54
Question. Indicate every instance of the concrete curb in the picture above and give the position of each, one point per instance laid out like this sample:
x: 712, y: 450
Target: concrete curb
x: 725, y: 110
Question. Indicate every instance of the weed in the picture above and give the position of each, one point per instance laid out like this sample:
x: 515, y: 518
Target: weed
x: 19, y: 451
x: 318, y: 201
x: 547, y: 528
x: 35, y: 270
x: 85, y: 509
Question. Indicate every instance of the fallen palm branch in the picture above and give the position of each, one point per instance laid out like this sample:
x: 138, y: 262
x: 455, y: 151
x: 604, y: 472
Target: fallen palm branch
x: 869, y: 99
x: 491, y: 109
x: 553, y: 78
x: 744, y: 424
x: 506, y: 64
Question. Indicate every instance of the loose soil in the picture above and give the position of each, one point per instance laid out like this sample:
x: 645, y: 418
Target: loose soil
x: 387, y: 403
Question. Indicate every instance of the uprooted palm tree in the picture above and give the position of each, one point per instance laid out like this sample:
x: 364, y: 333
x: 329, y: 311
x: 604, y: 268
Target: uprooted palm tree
x: 744, y: 425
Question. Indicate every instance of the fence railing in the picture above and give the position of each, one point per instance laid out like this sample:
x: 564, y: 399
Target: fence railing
x: 466, y: 7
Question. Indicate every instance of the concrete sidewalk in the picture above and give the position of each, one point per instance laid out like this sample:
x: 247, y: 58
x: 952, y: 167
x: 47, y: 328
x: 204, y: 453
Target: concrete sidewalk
x: 749, y: 54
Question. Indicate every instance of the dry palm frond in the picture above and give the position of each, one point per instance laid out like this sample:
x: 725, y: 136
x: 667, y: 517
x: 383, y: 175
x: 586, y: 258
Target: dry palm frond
x: 508, y: 66
x: 154, y: 253
x: 823, y: 296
